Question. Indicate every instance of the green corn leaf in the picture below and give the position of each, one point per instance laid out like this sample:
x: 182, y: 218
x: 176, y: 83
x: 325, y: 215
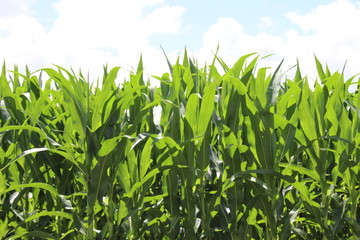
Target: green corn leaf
x: 23, y: 154
x: 167, y: 60
x: 49, y: 213
x: 44, y: 186
x: 239, y: 86
x: 311, y: 173
x: 36, y: 234
x: 320, y: 70
x: 238, y: 66
x: 298, y: 78
x: 192, y: 112
x: 312, y: 206
x: 206, y: 109
x: 274, y: 87
x: 108, y: 146
x: 104, y: 96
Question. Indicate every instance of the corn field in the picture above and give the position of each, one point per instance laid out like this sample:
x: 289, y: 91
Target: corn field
x: 247, y: 154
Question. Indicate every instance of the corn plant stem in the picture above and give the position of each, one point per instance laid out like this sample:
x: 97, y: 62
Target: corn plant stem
x: 88, y: 162
x: 235, y: 234
x: 90, y: 206
x: 110, y: 210
x: 27, y: 204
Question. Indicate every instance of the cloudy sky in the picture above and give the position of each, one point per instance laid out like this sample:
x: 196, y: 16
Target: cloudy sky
x: 90, y: 33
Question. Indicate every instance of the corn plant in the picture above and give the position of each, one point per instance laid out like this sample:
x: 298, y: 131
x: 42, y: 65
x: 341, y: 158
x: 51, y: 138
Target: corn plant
x: 247, y: 154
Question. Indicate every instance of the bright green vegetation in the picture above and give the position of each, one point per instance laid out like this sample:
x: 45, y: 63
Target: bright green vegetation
x: 240, y: 155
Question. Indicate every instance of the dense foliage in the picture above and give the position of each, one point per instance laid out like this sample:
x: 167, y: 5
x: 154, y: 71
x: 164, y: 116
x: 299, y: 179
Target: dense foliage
x: 240, y: 155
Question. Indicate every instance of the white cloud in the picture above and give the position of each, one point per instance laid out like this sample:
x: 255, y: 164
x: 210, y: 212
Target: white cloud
x: 266, y: 21
x: 20, y: 38
x: 120, y: 25
x: 12, y: 8
x: 234, y: 43
x: 84, y: 31
x: 333, y: 17
x: 164, y: 20
x: 328, y: 32
x: 90, y: 33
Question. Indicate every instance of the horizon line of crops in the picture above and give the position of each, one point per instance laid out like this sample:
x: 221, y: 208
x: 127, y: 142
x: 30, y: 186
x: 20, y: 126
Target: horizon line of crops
x: 246, y: 154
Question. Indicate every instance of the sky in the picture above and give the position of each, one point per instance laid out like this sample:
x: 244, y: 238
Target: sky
x: 87, y: 34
